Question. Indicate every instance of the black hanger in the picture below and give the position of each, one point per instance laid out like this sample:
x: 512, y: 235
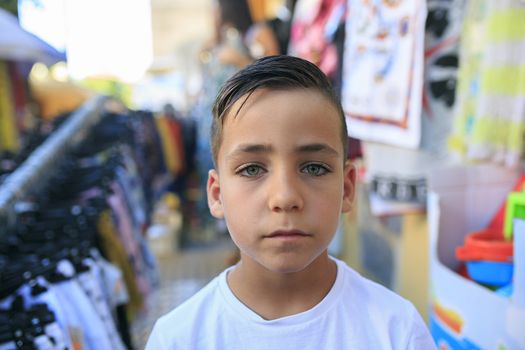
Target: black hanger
x: 437, y: 21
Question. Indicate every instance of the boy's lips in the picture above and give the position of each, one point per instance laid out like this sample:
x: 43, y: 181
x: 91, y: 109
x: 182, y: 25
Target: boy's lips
x: 287, y: 233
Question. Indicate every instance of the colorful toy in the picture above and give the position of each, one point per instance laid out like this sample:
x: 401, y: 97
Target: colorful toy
x: 515, y: 209
x: 486, y: 244
x: 491, y: 273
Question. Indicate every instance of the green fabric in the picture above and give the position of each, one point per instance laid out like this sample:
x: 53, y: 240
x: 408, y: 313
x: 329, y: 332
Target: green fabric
x: 508, y: 80
x: 467, y: 91
x: 476, y: 133
x: 506, y: 25
x: 499, y: 131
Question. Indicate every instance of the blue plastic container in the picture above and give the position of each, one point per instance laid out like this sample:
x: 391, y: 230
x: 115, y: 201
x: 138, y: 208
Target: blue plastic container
x: 492, y: 273
x: 506, y: 291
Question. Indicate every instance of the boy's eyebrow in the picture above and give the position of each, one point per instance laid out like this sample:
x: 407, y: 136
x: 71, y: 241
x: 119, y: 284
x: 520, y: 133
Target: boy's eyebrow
x: 317, y: 147
x: 262, y: 148
x: 250, y: 148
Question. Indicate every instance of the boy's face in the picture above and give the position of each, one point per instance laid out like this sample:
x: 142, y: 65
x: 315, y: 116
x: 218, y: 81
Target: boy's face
x: 281, y: 182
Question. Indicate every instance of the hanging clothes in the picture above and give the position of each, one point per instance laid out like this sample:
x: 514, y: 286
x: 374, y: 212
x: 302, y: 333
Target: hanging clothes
x: 116, y: 253
x: 313, y: 33
x: 383, y: 71
x: 175, y: 129
x: 20, y: 94
x: 77, y: 247
x: 9, y: 138
x: 490, y: 115
x: 442, y: 38
x: 170, y: 145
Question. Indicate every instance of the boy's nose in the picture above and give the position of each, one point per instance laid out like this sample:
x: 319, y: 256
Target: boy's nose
x: 284, y: 193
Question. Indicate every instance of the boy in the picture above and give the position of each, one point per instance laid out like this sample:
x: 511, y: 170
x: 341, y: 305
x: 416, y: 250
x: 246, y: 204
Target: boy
x: 281, y: 181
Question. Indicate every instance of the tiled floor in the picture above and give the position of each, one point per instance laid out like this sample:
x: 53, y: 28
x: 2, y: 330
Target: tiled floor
x: 182, y: 274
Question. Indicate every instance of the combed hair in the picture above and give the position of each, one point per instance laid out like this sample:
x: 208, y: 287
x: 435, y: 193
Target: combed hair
x: 279, y: 72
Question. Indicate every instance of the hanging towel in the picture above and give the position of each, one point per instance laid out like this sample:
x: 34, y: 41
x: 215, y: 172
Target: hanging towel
x: 383, y: 71
x: 490, y: 119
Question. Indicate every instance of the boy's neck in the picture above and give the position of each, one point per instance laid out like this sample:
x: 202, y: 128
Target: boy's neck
x: 274, y: 295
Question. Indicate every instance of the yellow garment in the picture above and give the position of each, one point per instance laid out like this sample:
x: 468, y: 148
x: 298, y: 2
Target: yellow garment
x: 176, y: 143
x: 490, y: 121
x: 8, y: 131
x: 114, y: 251
x: 467, y: 92
x: 169, y: 150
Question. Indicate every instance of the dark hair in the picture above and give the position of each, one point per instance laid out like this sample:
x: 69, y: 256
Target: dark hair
x: 237, y: 13
x: 277, y: 73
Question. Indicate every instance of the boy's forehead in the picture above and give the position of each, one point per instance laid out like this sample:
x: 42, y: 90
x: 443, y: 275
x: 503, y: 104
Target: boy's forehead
x: 244, y: 102
x: 277, y: 106
x: 306, y: 116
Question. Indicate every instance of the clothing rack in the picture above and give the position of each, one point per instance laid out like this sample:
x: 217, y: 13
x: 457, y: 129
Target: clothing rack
x: 37, y: 166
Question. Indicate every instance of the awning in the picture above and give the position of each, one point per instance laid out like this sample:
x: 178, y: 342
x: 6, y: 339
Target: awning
x: 16, y: 44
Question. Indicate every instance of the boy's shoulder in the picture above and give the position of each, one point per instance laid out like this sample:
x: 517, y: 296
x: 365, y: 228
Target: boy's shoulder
x: 178, y: 327
x: 381, y: 315
x: 370, y: 294
x: 195, y: 307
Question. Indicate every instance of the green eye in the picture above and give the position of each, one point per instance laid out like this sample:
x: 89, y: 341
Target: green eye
x: 250, y: 171
x: 314, y: 169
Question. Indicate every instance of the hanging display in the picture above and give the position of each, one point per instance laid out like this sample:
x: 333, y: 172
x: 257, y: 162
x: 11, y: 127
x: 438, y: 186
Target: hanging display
x: 383, y: 70
x: 442, y: 38
x: 490, y: 114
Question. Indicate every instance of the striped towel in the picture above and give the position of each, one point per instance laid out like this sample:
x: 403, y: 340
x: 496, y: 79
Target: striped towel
x: 490, y: 115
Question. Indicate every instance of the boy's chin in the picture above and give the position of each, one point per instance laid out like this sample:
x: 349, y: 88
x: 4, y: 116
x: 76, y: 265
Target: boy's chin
x: 286, y: 264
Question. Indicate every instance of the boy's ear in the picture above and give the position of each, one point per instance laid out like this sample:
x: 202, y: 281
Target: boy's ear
x: 348, y: 186
x: 213, y: 190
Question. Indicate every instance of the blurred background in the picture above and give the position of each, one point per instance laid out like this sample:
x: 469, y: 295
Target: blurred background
x: 105, y: 112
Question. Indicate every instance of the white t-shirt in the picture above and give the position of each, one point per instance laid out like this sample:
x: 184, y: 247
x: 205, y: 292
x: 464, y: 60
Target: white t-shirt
x: 355, y: 314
